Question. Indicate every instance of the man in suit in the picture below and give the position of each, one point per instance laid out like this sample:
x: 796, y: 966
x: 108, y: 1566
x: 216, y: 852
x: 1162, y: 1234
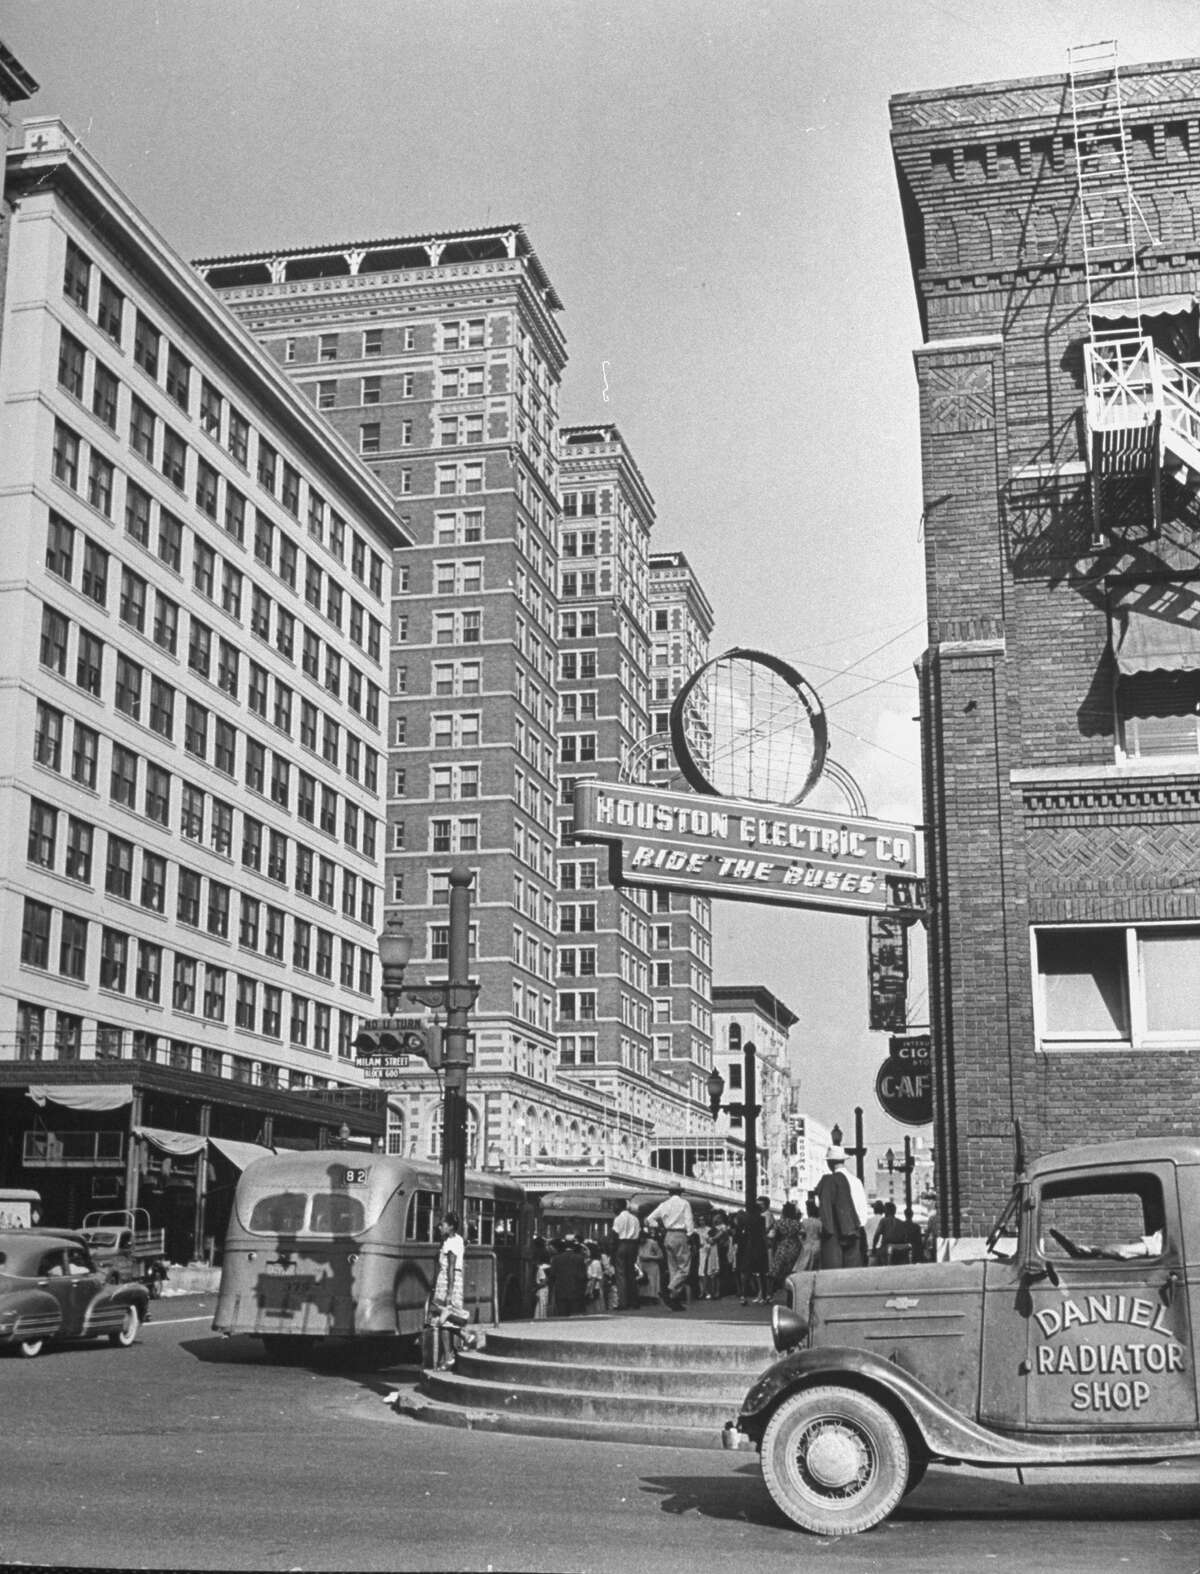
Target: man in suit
x: 843, y: 1211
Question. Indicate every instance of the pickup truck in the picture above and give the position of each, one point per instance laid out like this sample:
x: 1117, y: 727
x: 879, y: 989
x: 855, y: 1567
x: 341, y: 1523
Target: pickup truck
x: 123, y: 1243
x: 1071, y: 1340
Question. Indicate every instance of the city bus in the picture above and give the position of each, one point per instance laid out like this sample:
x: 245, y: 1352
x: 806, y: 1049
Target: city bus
x: 342, y: 1245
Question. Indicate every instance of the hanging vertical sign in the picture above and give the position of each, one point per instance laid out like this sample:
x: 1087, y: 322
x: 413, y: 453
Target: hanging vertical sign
x: 887, y: 969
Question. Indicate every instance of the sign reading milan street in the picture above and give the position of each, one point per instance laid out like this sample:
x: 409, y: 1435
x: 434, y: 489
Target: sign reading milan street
x: 751, y: 852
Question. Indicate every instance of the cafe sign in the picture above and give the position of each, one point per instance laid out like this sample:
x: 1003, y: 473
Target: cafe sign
x: 744, y: 851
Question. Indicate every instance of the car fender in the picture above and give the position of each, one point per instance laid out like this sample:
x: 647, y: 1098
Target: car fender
x: 29, y: 1314
x: 107, y: 1310
x: 945, y: 1432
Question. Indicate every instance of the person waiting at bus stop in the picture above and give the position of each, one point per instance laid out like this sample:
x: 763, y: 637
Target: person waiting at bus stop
x: 675, y: 1218
x: 842, y: 1204
x: 448, y: 1313
x: 627, y: 1228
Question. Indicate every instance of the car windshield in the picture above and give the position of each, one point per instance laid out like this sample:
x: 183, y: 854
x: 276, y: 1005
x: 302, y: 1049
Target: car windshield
x: 102, y: 1237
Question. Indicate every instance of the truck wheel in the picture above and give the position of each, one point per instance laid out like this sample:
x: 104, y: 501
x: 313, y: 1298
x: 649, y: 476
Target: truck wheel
x: 127, y: 1332
x: 834, y: 1460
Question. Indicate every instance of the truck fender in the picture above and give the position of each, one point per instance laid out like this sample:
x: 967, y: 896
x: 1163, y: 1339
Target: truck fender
x: 945, y: 1432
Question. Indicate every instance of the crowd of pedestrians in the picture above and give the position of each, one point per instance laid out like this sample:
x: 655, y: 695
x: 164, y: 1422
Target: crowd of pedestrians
x: 668, y: 1257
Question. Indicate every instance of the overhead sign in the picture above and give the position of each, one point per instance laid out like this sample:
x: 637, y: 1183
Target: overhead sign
x: 904, y: 1083
x: 729, y: 847
x: 887, y: 973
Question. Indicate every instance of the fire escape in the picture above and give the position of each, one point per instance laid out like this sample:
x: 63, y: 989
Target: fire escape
x: 1142, y: 407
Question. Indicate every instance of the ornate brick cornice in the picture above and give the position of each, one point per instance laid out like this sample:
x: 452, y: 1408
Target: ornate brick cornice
x: 1107, y: 797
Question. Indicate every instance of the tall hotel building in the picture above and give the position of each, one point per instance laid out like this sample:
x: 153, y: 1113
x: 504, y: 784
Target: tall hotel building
x: 681, y: 921
x: 193, y: 676
x: 438, y: 359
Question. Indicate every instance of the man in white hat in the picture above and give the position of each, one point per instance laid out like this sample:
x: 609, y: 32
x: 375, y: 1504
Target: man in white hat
x: 674, y: 1217
x: 843, y: 1211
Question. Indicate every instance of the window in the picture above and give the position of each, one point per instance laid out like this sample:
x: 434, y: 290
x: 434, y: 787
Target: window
x: 183, y: 984
x: 214, y: 993
x: 35, y: 934
x: 77, y: 276
x: 1158, y: 714
x: 191, y: 813
x: 327, y: 347
x: 271, y: 1010
x: 238, y: 436
x: 166, y: 622
x: 274, y: 933
x: 195, y: 729
x: 72, y: 946
x: 132, y: 608
x: 280, y: 778
x: 154, y: 882
x: 372, y: 341
x: 141, y: 429
x: 100, y: 483
x: 228, y: 663
x: 170, y: 539
x: 118, y: 868
x: 221, y: 828
x: 244, y: 1010
x: 174, y: 458
x: 162, y: 708
x: 179, y: 377
x: 1129, y: 987
x: 252, y: 837
x: 326, y: 395
x: 368, y: 437
x: 65, y: 456
x: 147, y: 345
x: 224, y: 746
x: 256, y: 689
x: 187, y: 898
x: 371, y: 389
x: 206, y: 488
x: 199, y: 647
x: 60, y: 547
x: 128, y: 697
x: 89, y: 663
x: 109, y: 309
x: 114, y: 960
x: 71, y: 361
x: 290, y: 490
x: 210, y: 409
x: 137, y: 513
x: 268, y: 461
x: 218, y: 909
x: 104, y: 396
x: 43, y: 828
x: 158, y: 793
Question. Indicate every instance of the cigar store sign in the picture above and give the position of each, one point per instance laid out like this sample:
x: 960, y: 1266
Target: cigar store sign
x: 727, y: 847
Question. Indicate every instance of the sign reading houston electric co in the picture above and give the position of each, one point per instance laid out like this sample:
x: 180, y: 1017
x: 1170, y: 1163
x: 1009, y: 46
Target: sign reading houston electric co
x: 752, y: 852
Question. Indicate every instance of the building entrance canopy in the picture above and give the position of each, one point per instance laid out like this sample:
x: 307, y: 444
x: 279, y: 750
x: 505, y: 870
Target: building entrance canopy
x: 83, y: 1095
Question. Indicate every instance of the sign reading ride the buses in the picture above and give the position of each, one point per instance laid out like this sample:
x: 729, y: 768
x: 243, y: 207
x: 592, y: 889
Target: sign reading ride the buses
x: 751, y: 852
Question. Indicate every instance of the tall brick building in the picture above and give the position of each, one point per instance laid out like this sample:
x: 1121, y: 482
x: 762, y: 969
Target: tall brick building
x: 1061, y: 684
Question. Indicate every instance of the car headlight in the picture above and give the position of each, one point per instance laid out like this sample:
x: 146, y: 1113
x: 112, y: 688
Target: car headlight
x: 788, y: 1328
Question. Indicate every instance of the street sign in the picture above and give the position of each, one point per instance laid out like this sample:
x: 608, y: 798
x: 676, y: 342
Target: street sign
x: 381, y: 1065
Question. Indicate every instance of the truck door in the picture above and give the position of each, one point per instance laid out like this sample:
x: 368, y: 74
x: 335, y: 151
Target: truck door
x: 1108, y: 1323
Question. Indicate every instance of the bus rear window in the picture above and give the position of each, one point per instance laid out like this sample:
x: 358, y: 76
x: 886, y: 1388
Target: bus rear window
x: 306, y: 1213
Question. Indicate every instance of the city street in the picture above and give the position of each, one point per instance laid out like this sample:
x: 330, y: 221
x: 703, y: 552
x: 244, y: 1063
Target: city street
x: 189, y: 1452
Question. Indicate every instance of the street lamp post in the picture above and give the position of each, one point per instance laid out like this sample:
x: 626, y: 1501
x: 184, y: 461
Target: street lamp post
x: 906, y: 1166
x: 749, y: 1109
x: 455, y: 995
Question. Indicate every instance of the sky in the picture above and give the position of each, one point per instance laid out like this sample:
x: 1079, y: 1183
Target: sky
x: 710, y: 186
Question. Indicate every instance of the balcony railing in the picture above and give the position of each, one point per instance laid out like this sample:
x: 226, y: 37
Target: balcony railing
x: 73, y: 1149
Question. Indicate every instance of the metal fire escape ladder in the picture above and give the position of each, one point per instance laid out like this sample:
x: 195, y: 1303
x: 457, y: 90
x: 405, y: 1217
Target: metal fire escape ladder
x: 1125, y: 432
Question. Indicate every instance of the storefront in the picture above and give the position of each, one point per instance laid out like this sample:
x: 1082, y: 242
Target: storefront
x: 98, y: 1135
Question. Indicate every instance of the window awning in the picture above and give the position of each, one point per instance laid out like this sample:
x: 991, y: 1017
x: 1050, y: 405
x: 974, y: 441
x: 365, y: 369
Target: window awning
x: 180, y: 1143
x: 83, y: 1095
x: 1160, y: 635
x: 1153, y: 306
x: 239, y: 1153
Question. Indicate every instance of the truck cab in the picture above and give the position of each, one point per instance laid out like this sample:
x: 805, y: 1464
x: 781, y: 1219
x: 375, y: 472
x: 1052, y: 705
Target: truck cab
x: 1072, y: 1339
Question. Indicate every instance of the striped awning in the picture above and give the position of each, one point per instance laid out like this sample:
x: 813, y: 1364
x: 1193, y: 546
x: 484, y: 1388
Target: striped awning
x: 1159, y: 631
x: 1148, y: 306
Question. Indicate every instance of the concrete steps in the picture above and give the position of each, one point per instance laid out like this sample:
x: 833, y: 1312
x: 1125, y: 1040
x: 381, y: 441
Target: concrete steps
x: 612, y: 1381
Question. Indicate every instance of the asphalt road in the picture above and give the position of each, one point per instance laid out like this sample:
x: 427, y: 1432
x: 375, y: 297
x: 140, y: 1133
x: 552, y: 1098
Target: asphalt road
x: 188, y: 1452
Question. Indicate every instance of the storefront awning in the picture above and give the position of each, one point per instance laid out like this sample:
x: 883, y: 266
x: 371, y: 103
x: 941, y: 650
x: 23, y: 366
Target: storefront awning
x: 239, y: 1153
x: 83, y: 1095
x: 1155, y: 306
x: 182, y: 1144
x: 1148, y: 641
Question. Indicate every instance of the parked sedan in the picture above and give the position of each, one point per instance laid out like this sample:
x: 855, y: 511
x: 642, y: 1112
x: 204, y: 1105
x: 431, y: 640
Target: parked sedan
x: 50, y: 1289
